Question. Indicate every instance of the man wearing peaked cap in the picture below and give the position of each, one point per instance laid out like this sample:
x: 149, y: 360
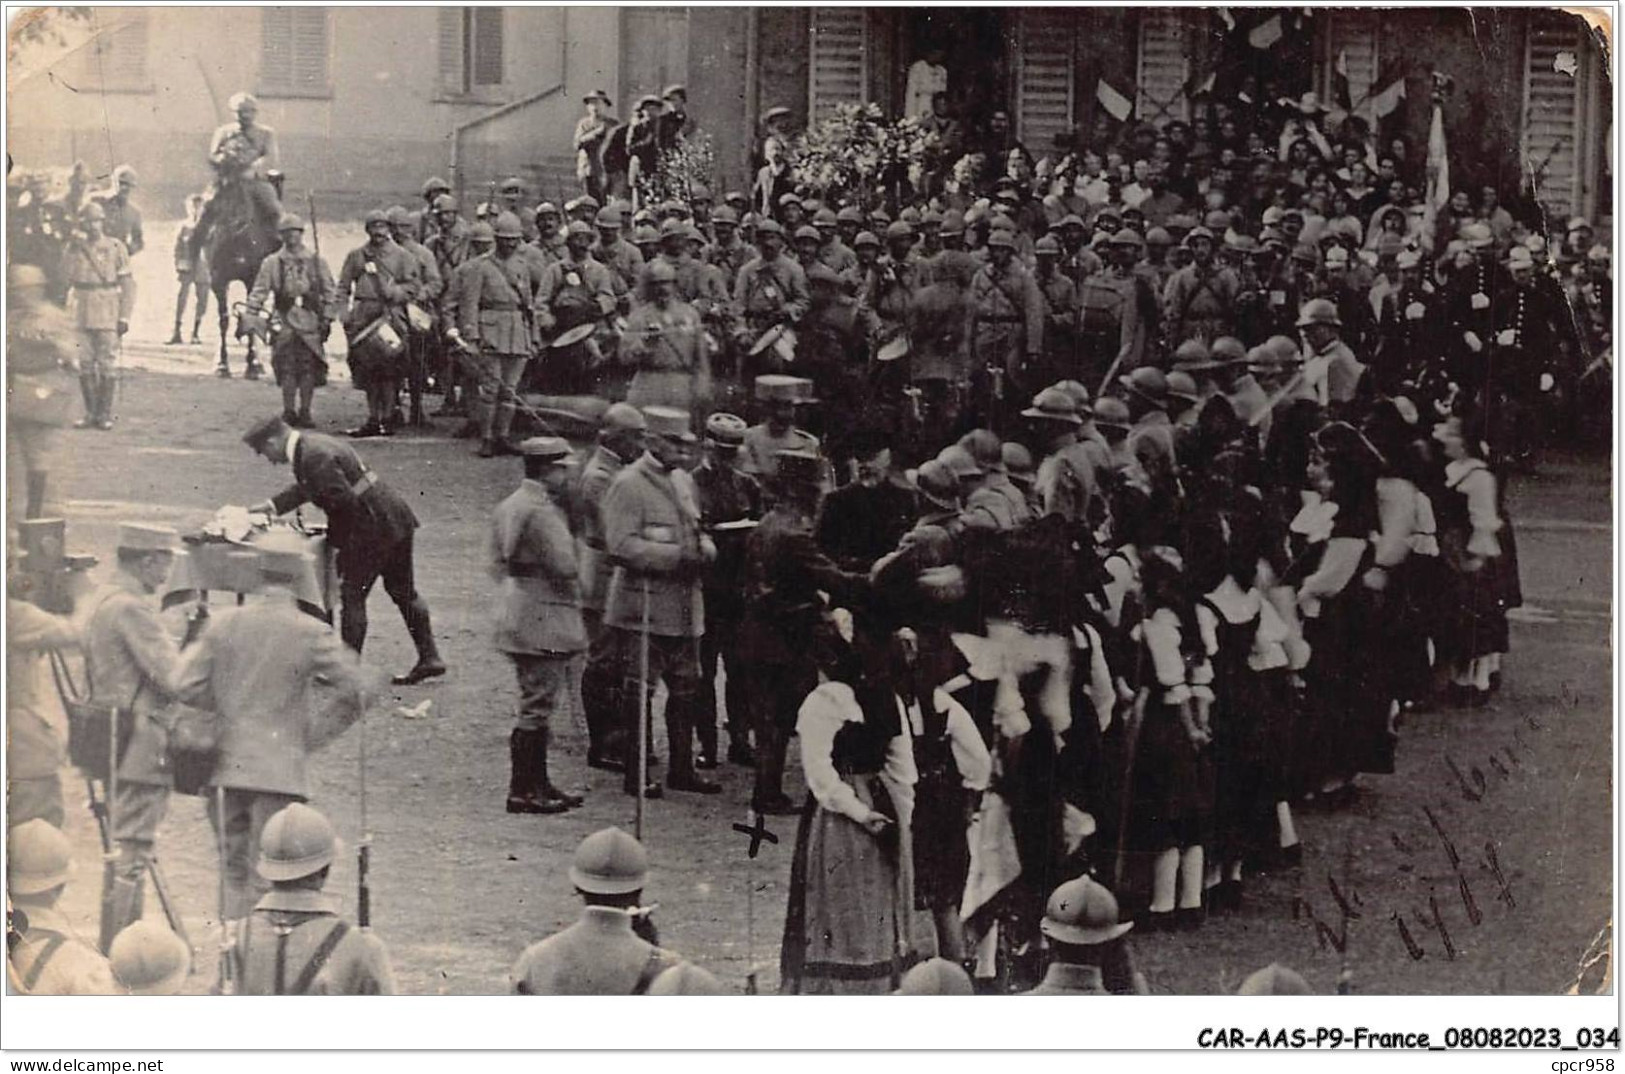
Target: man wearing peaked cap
x: 538, y: 619
x: 134, y: 665
x: 45, y: 956
x: 370, y: 527
x: 1086, y: 941
x: 653, y: 534
x: 604, y: 953
x: 778, y: 396
x: 283, y: 687
x: 295, y: 943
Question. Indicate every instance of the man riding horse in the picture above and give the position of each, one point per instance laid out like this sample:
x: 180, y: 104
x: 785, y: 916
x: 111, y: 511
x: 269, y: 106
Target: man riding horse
x: 238, y: 226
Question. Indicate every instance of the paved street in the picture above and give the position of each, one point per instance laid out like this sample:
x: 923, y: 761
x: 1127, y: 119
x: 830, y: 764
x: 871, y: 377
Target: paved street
x: 1520, y: 793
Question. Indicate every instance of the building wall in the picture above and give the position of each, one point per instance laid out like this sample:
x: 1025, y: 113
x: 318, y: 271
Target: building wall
x: 384, y: 127
x: 719, y: 89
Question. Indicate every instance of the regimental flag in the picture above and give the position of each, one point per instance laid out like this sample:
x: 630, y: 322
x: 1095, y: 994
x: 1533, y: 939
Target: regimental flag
x: 1438, y: 166
x: 1112, y: 101
x: 1340, y: 82
x: 1383, y: 103
x: 1266, y: 33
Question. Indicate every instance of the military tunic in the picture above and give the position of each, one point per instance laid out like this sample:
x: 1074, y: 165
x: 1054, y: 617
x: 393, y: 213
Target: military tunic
x: 599, y: 955
x: 538, y: 600
x: 51, y: 960
x: 320, y: 953
x: 1005, y: 319
x: 123, y: 222
x: 667, y: 345
x: 103, y: 297
x: 305, y: 298
x: 376, y: 296
x: 768, y: 292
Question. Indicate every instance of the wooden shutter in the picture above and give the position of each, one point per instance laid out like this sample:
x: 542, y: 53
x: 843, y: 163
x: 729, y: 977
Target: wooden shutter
x: 839, y: 58
x: 1551, y: 112
x: 293, y: 50
x: 449, y: 48
x: 1164, y: 67
x: 487, y: 46
x: 1353, y: 33
x: 1044, y: 77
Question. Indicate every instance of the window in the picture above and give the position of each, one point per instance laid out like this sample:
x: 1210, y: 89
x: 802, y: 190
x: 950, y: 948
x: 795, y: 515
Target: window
x: 470, y: 49
x: 293, y: 52
x: 840, y: 58
x: 1164, y: 67
x: 116, y: 58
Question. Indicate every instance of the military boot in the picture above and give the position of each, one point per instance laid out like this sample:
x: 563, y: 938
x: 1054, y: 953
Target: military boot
x: 122, y: 900
x: 548, y: 790
x: 87, y: 393
x: 526, y: 754
x: 429, y: 664
x: 104, y: 403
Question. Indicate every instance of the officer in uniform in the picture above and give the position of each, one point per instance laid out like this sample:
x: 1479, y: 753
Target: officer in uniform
x: 123, y: 218
x: 299, y: 288
x: 295, y: 943
x: 378, y: 279
x: 771, y: 289
x: 1086, y: 937
x: 102, y: 295
x: 134, y: 665
x: 666, y: 343
x: 620, y: 441
x: 833, y: 350
x: 1409, y: 342
x: 652, y: 532
x: 729, y: 500
x: 496, y: 308
x: 1330, y: 369
x: 574, y: 291
x: 481, y: 241
x: 533, y: 557
x: 778, y: 396
x: 282, y: 686
x: 44, y: 955
x: 832, y: 252
x: 1060, y: 311
x: 1532, y: 338
x: 36, y: 730
x: 784, y: 574
x: 1470, y: 296
x: 1200, y: 301
x: 1005, y: 312
x: 602, y: 954
x: 40, y: 348
x: 244, y: 152
x: 369, y: 526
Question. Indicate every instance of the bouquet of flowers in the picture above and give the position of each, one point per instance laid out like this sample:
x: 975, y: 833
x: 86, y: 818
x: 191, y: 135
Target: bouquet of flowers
x: 691, y: 162
x: 855, y: 153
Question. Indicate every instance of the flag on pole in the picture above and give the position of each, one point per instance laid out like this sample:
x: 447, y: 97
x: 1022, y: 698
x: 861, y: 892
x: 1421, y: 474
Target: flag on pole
x: 1266, y: 33
x: 1228, y: 19
x: 1438, y: 166
x: 1112, y: 101
x: 1382, y: 104
x: 1340, y: 82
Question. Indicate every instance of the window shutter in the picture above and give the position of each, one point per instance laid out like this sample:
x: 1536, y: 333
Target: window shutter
x: 1353, y: 34
x: 276, y: 45
x: 125, y: 62
x: 449, y: 35
x: 1551, y: 113
x: 1164, y: 68
x: 487, y: 46
x: 1044, y: 78
x: 310, y: 49
x: 839, y: 58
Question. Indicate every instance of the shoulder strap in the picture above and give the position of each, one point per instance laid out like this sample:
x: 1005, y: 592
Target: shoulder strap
x: 318, y: 961
x: 43, y: 959
x: 651, y: 969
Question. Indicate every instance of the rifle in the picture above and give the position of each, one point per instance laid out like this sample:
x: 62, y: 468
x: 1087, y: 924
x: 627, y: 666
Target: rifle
x: 315, y: 235
x: 363, y: 850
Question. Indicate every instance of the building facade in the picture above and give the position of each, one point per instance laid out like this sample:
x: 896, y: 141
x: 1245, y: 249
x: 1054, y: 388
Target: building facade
x: 367, y: 100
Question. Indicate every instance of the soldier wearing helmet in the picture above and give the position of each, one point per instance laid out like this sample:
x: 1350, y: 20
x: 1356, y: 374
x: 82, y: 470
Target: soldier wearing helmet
x: 456, y: 379
x: 123, y: 218
x: 1006, y: 319
x: 1330, y: 371
x: 434, y: 188
x: 771, y: 289
x: 1089, y: 952
x: 1060, y: 308
x: 295, y: 300
x: 97, y: 269
x: 495, y: 317
x: 604, y: 953
x: 574, y: 291
x: 727, y: 251
x: 1200, y: 301
x: 624, y: 261
x: 666, y: 343
x: 378, y: 280
x: 295, y: 943
x: 445, y: 233
x: 511, y: 199
x: 423, y: 337
x: 45, y: 956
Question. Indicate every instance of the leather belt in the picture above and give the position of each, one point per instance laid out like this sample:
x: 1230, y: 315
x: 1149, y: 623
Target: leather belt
x: 366, y: 481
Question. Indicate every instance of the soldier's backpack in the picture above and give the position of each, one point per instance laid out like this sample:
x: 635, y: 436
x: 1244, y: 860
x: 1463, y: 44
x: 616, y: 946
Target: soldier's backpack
x: 1102, y: 301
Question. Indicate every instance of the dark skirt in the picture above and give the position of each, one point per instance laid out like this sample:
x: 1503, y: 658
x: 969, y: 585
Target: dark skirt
x: 850, y: 928
x: 1247, y: 765
x: 1348, y: 695
x: 1477, y: 624
x: 1171, y: 787
x: 941, y: 845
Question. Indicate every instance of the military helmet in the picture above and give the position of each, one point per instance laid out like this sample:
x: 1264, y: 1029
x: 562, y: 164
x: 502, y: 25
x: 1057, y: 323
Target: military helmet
x: 38, y: 858
x: 435, y: 185
x: 1181, y: 385
x: 544, y: 209
x: 1158, y: 236
x: 849, y: 214
x: 725, y: 214
x: 1082, y: 912
x: 936, y: 482
x: 623, y: 417
x: 608, y: 218
x: 1047, y: 247
x: 1112, y: 413
x: 512, y: 185
x: 1054, y: 404
x: 124, y: 174
x: 1228, y: 349
x: 508, y: 227
x: 297, y: 841
x: 825, y: 217
x: 807, y: 231
x: 1319, y: 311
x: 1003, y: 238
x: 1128, y: 237
x: 445, y: 203
x: 93, y: 211
x: 578, y: 227
x: 644, y: 235
x: 290, y: 222
x: 609, y: 862
x: 686, y: 979
x: 375, y: 216
x: 1275, y: 980
x: 481, y: 232
x: 935, y: 977
x: 149, y: 960
x: 400, y: 217
x: 865, y: 238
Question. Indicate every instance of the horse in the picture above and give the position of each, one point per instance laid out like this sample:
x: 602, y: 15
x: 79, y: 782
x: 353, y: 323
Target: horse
x: 238, y: 240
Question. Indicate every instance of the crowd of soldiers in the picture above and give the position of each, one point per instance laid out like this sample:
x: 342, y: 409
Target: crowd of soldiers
x: 1171, y: 463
